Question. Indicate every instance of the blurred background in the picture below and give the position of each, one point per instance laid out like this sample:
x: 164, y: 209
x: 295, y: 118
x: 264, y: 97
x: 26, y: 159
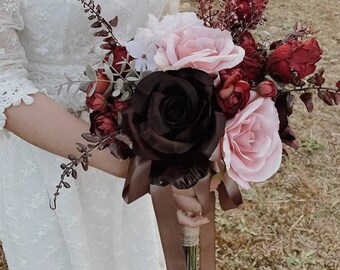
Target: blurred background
x: 292, y: 221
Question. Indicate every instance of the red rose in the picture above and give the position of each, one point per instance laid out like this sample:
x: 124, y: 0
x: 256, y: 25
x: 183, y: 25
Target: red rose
x: 233, y: 94
x: 253, y: 61
x: 267, y: 89
x: 103, y: 124
x: 102, y: 84
x: 299, y: 56
x: 95, y: 102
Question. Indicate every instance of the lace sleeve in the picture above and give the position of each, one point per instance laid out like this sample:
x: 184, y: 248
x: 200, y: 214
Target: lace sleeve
x: 14, y: 85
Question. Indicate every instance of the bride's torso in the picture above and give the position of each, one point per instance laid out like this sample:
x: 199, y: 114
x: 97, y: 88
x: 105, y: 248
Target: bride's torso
x: 57, y: 37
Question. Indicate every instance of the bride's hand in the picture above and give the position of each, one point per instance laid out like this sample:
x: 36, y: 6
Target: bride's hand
x: 190, y: 213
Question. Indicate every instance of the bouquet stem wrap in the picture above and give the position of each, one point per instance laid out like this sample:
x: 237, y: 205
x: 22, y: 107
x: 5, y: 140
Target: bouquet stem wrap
x: 190, y: 246
x: 137, y: 185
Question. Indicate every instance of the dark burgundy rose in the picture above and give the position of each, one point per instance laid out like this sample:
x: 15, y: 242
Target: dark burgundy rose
x: 96, y: 102
x: 253, y: 62
x: 102, y: 84
x: 233, y: 94
x: 267, y: 89
x: 103, y: 123
x: 174, y: 122
x: 298, y: 56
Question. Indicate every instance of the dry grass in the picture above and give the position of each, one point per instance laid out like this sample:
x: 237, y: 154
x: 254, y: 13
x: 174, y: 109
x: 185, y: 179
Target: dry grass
x: 293, y: 221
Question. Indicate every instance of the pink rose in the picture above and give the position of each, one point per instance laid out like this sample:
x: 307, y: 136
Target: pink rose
x: 197, y: 46
x: 251, y: 146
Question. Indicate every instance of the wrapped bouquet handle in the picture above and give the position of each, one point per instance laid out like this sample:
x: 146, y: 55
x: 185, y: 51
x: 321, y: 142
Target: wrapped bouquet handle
x: 137, y: 185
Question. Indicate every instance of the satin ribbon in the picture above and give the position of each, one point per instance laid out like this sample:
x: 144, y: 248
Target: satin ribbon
x: 137, y: 185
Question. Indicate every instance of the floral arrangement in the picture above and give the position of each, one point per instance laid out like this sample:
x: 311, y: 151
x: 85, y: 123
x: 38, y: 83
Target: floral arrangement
x: 193, y: 96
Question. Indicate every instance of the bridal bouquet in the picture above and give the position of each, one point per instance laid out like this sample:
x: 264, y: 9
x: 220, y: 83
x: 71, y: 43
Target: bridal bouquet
x: 194, y: 101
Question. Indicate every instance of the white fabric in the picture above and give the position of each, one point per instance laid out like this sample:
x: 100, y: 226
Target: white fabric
x: 40, y: 40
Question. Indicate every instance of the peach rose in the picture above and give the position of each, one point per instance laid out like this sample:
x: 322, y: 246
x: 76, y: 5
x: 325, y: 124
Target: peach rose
x: 251, y: 146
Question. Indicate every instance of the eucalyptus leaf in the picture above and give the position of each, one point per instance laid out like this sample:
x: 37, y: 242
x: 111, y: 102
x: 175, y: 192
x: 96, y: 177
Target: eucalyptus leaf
x: 93, y: 89
x: 110, y: 61
x: 119, y: 85
x: 132, y: 79
x: 91, y: 73
x: 108, y: 72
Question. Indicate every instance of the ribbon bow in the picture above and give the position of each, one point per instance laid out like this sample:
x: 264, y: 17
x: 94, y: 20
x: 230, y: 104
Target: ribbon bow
x: 137, y: 185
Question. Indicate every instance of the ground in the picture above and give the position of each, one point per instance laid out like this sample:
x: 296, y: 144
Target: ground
x: 292, y: 221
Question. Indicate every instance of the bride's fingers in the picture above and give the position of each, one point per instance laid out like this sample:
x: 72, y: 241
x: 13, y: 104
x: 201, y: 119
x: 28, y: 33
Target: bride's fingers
x: 185, y: 192
x: 192, y: 222
x: 188, y: 204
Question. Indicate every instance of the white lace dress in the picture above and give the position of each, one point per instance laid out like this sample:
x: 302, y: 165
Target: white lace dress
x: 92, y: 228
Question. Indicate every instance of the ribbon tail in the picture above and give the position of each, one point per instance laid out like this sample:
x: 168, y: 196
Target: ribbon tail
x: 137, y: 180
x: 207, y: 232
x: 229, y: 194
x: 169, y: 228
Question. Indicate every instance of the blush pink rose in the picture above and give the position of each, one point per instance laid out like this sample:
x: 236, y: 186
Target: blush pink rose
x: 197, y: 46
x: 251, y: 146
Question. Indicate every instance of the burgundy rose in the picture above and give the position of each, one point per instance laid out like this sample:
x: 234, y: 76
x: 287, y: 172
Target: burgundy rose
x: 103, y: 124
x: 247, y: 41
x: 298, y: 56
x: 96, y: 102
x: 102, y: 84
x: 253, y: 62
x: 120, y: 54
x: 233, y: 95
x: 250, y: 10
x: 173, y: 122
x: 267, y: 89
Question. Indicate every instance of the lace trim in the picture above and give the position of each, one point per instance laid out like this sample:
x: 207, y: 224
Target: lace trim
x: 12, y: 93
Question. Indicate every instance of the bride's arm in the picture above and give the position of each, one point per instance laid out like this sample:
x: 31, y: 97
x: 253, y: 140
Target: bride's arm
x: 49, y: 126
x: 31, y: 115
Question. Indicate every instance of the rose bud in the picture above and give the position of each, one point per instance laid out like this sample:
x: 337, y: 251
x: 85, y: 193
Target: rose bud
x: 267, y: 89
x: 297, y: 56
x: 338, y: 84
x: 102, y: 84
x: 120, y: 105
x: 95, y: 102
x: 103, y: 124
x: 233, y: 95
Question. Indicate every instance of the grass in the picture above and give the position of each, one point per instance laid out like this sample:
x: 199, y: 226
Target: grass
x: 293, y: 221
